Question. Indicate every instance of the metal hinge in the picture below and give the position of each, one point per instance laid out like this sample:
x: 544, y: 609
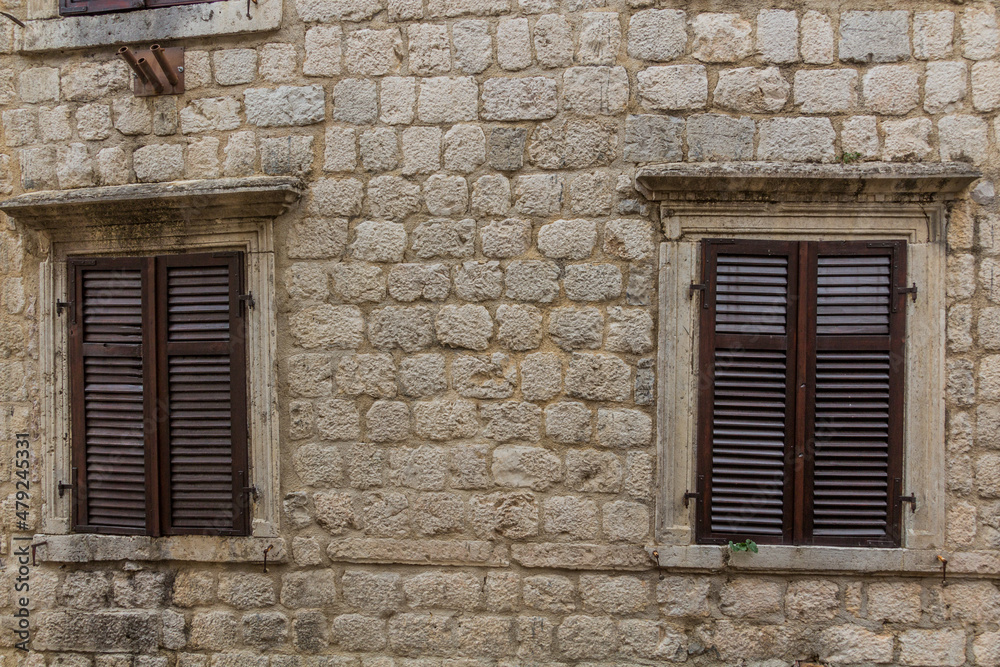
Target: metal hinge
x: 688, y: 495
x: 62, y: 304
x: 912, y: 291
x: 63, y: 487
x: 250, y: 490
x: 248, y: 300
x: 912, y: 499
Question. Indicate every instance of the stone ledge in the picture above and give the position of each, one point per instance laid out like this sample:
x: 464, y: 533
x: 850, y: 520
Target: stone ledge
x: 782, y: 181
x: 216, y: 18
x: 827, y: 560
x: 156, y: 203
x: 196, y: 548
x: 581, y: 556
x: 418, y: 552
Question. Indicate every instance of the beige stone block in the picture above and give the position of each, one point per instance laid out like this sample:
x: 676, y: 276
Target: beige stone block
x: 721, y: 38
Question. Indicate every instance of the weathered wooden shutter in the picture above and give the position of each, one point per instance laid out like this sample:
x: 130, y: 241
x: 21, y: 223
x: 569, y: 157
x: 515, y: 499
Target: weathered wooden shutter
x: 74, y: 7
x: 854, y: 425
x: 747, y: 338
x: 109, y: 329
x: 202, y: 387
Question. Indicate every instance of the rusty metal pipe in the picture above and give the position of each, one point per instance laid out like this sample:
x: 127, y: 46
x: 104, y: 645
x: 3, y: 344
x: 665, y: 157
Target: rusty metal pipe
x: 126, y: 54
x: 161, y: 59
x: 153, y: 79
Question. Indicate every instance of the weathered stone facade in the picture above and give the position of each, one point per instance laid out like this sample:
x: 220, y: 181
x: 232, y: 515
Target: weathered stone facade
x: 467, y: 311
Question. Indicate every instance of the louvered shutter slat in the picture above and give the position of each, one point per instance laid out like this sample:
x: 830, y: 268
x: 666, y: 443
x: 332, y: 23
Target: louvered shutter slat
x: 743, y: 461
x: 108, y: 376
x: 854, y: 413
x: 201, y: 376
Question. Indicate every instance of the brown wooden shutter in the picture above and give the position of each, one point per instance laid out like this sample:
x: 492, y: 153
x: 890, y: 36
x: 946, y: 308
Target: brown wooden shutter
x: 854, y: 425
x: 73, y: 7
x: 109, y: 328
x: 747, y: 337
x: 202, y: 390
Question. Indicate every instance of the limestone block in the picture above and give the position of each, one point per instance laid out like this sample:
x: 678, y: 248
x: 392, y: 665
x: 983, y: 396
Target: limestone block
x: 328, y: 326
x: 376, y: 593
x: 53, y: 123
x: 553, y: 41
x: 653, y: 138
x: 452, y: 8
x: 158, y: 162
x: 478, y: 281
x: 385, y: 514
x: 408, y: 328
x: 980, y: 33
x: 392, y: 197
x: 473, y: 45
x: 855, y: 644
x: 629, y: 330
x: 567, y: 239
x: 751, y: 90
x: 530, y: 98
x: 600, y: 39
x: 576, y: 328
x: 464, y: 326
x: 318, y: 238
x: 538, y: 194
x: 505, y: 238
x: 468, y: 467
x: 444, y: 238
x: 245, y: 590
x: 241, y: 154
x: 796, y: 140
x: 286, y: 155
x: 519, y: 327
x: 715, y: 137
x: 592, y: 282
x: 439, y: 514
x: 598, y: 377
x: 875, y: 36
x: 213, y: 630
x: 986, y: 86
x: 594, y: 91
x: 308, y: 589
x: 20, y: 127
x: 285, y: 106
x: 318, y: 465
x: 379, y: 242
x: 826, y: 91
x: 332, y: 11
x: 132, y: 116
x: 751, y: 597
x: 817, y: 38
x: 421, y: 150
x: 513, y: 44
x: 907, y: 139
x: 39, y: 84
x: 446, y: 195
x: 510, y: 514
x: 430, y: 51
x: 945, y: 86
x: 587, y: 637
x: 370, y: 374
x: 484, y: 377
x: 570, y: 517
x: 355, y: 101
x: 511, y: 420
x: 234, y: 66
x: 405, y: 10
x: 541, y: 376
x: 210, y: 113
x: 933, y: 34
x: 891, y: 89
x: 93, y: 122
x: 340, y: 152
x: 372, y: 52
x: 625, y: 521
x: 310, y: 374
x: 932, y: 647
x: 422, y: 375
x: 618, y: 595
x: 531, y: 467
x: 111, y: 165
x: 721, y: 38
x: 673, y: 87
x: 279, y: 62
x: 465, y: 150
x: 778, y: 36
x: 532, y: 280
x: 448, y: 100
x: 323, y: 51
x: 379, y: 149
x: 446, y: 420
x: 623, y: 428
x: 398, y: 96
x: 409, y: 282
x: 335, y: 511
x: 657, y: 34
x: 963, y: 138
x: 92, y: 81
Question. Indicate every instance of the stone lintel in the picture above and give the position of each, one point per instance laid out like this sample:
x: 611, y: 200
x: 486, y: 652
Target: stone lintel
x: 58, y: 33
x: 581, y: 556
x: 156, y: 203
x: 419, y: 552
x: 774, y: 559
x: 782, y: 181
x: 82, y: 548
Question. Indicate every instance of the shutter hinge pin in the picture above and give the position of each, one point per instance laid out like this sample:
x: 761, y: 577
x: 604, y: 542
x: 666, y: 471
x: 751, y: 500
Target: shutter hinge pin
x: 912, y: 291
x: 912, y: 499
x: 62, y: 304
x: 63, y: 487
x: 688, y: 495
x: 252, y: 490
x: 248, y: 300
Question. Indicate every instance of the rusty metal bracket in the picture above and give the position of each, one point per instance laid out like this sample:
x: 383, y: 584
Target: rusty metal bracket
x: 158, y: 71
x: 269, y: 547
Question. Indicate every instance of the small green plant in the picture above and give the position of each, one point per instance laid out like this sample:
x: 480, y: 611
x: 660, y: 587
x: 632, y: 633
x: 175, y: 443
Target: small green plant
x: 848, y: 157
x: 745, y: 545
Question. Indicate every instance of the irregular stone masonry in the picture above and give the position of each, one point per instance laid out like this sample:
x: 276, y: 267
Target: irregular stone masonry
x: 466, y: 322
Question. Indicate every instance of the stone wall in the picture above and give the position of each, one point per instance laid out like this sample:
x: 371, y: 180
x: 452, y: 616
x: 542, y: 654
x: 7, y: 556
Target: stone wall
x: 466, y: 322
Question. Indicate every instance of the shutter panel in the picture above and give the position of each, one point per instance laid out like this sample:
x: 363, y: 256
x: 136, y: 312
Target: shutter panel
x: 202, y: 384
x: 75, y: 7
x: 108, y: 328
x: 746, y: 395
x: 854, y: 349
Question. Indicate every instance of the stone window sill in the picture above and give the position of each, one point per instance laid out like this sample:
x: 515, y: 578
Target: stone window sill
x: 826, y: 560
x: 49, y: 32
x: 194, y: 548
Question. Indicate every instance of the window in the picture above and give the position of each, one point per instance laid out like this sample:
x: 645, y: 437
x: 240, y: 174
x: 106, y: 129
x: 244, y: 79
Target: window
x: 801, y: 392
x: 157, y: 365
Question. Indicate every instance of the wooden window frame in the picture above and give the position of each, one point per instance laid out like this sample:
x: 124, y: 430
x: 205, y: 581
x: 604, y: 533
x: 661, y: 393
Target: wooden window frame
x: 92, y: 7
x: 156, y: 346
x: 801, y: 344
